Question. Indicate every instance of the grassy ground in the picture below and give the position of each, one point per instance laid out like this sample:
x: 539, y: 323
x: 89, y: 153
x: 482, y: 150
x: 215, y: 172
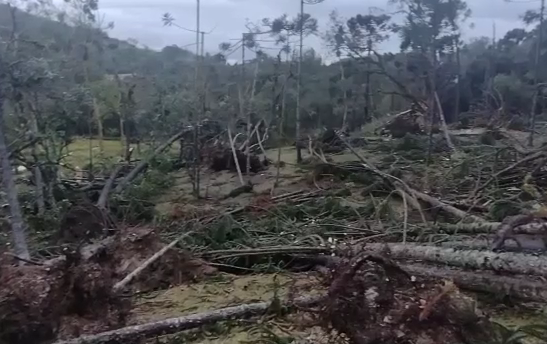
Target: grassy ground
x: 224, y: 291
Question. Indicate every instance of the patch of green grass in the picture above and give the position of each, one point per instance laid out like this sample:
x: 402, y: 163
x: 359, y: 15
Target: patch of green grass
x: 81, y: 148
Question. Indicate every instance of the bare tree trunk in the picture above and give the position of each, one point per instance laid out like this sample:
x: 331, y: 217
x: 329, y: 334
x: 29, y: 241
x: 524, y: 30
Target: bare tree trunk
x: 537, y: 66
x: 38, y: 180
x: 368, y: 105
x: 121, y: 284
x: 249, y: 118
x: 96, y: 111
x: 122, y: 134
x: 513, y: 263
x: 443, y: 124
x: 103, y: 198
x: 18, y: 225
x: 299, y: 84
x: 169, y: 326
x: 344, y: 96
x: 458, y: 84
x: 236, y: 162
x: 485, y: 282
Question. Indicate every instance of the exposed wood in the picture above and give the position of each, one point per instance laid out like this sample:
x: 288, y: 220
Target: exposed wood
x: 517, y: 287
x: 234, y: 153
x: 121, y: 284
x: 445, y: 207
x: 513, y: 263
x: 443, y: 123
x: 103, y: 198
x: 468, y: 228
x: 18, y: 224
x: 134, y: 333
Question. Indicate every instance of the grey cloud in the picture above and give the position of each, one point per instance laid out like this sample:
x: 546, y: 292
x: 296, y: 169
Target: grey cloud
x: 141, y: 19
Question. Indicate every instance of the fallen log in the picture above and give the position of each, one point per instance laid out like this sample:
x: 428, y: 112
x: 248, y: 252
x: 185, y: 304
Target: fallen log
x: 131, y: 334
x: 445, y: 207
x: 512, y: 263
x: 520, y: 288
x: 103, y: 198
x: 121, y: 284
x: 490, y: 227
x: 527, y: 244
x: 468, y: 228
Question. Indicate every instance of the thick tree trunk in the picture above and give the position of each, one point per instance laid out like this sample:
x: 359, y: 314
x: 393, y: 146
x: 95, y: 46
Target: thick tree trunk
x: 138, y: 169
x: 521, y: 288
x: 131, y: 334
x: 103, y: 198
x: 18, y: 225
x: 38, y: 180
x: 513, y: 263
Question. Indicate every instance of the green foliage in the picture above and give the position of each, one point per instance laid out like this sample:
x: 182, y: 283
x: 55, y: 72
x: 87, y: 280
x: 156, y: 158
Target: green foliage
x: 137, y: 202
x: 500, y: 209
x: 520, y: 334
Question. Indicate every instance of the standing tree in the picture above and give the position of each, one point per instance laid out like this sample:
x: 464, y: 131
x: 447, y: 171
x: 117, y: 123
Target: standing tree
x: 430, y: 29
x: 532, y: 17
x: 18, y: 224
x: 304, y: 21
x: 357, y: 38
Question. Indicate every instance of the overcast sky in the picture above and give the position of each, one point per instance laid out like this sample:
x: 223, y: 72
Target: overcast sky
x: 141, y: 19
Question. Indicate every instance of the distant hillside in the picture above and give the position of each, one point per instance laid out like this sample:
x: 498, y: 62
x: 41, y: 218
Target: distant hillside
x: 111, y: 56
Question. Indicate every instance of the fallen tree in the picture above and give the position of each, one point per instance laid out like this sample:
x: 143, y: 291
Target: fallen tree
x: 513, y: 263
x: 515, y: 287
x: 132, y: 334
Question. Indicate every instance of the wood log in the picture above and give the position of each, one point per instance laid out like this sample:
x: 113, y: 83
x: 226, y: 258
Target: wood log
x: 527, y: 243
x: 121, y: 284
x: 131, y: 334
x: 517, y: 287
x: 468, y: 228
x: 512, y: 263
x: 490, y: 227
x: 521, y: 287
x: 103, y: 198
x: 445, y: 207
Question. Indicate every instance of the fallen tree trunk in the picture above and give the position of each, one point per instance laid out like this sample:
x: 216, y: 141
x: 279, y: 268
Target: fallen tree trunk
x: 468, y: 228
x: 103, y: 198
x: 490, y: 227
x: 131, y: 334
x: 121, y: 284
x: 445, y: 207
x: 142, y: 165
x: 526, y: 243
x: 520, y: 288
x: 514, y: 286
x: 513, y: 263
